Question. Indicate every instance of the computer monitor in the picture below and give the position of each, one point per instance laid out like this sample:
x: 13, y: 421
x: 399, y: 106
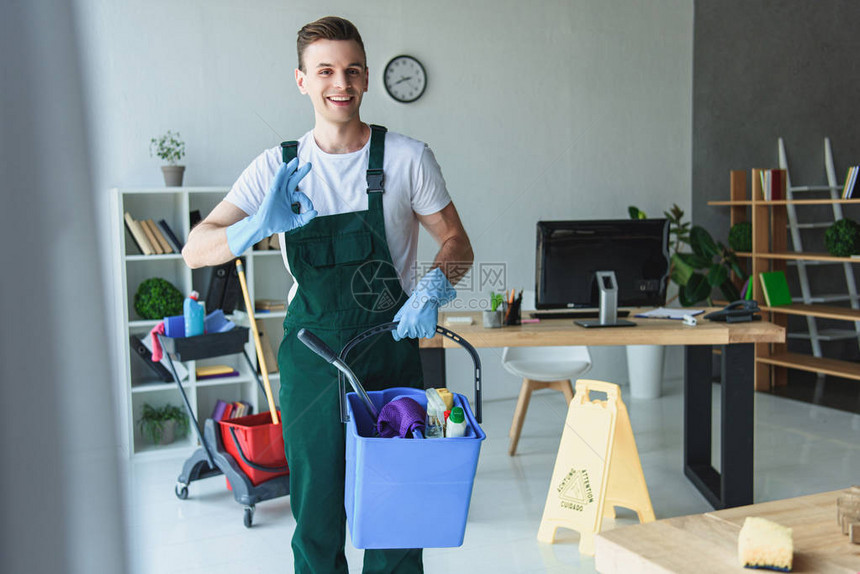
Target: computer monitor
x: 570, y: 253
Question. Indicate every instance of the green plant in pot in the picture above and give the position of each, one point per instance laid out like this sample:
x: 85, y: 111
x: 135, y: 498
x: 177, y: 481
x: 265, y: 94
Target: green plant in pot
x: 170, y: 148
x: 842, y: 239
x: 157, y: 298
x: 493, y: 318
x: 708, y: 264
x: 161, y: 425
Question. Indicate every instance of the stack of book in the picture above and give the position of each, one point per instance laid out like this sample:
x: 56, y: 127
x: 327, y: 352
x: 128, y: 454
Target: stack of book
x: 269, y: 305
x: 771, y: 184
x: 230, y: 410
x: 215, y: 372
x: 268, y: 243
x: 152, y: 238
x: 850, y: 180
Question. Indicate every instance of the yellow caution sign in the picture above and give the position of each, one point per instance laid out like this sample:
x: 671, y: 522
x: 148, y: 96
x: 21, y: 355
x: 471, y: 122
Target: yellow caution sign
x: 597, y: 468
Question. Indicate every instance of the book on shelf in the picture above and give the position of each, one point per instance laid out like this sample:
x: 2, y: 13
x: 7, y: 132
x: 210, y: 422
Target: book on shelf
x: 218, y: 411
x: 215, y: 371
x: 232, y: 289
x: 156, y: 247
x: 140, y: 349
x: 268, y: 243
x: 270, y: 305
x: 137, y: 234
x: 268, y: 351
x: 850, y: 182
x: 181, y: 371
x: 771, y: 184
x: 159, y: 236
x: 171, y: 237
x: 217, y: 281
x: 194, y: 218
x: 224, y: 288
x: 775, y: 288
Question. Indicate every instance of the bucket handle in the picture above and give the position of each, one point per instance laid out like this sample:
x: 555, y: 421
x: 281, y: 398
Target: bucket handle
x: 386, y: 327
x: 247, y: 461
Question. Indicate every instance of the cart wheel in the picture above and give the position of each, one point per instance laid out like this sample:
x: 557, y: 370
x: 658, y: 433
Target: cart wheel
x: 249, y: 516
x: 181, y: 491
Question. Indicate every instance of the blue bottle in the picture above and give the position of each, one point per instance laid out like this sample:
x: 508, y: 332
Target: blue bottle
x: 193, y: 312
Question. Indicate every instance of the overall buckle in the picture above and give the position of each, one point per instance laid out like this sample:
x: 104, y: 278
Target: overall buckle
x: 375, y: 180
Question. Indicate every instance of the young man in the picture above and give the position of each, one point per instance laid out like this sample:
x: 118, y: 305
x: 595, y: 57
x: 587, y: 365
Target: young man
x: 349, y: 239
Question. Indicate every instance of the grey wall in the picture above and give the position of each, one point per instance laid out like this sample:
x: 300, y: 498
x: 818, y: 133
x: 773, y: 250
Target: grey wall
x: 764, y: 69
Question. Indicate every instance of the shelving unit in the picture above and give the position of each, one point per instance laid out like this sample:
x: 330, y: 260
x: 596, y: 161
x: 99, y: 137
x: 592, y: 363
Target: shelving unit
x: 136, y: 384
x: 770, y: 252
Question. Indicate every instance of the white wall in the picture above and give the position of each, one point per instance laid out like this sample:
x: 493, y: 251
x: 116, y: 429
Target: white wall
x: 549, y: 109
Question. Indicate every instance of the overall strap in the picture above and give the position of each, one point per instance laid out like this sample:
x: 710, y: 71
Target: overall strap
x: 289, y: 150
x: 375, y: 175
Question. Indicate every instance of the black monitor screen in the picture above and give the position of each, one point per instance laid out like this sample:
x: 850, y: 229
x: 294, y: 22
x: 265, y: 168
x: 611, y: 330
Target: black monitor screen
x: 569, y: 253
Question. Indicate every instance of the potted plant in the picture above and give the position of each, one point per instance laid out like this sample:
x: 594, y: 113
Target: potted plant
x: 171, y: 149
x: 161, y: 425
x: 708, y: 264
x: 494, y: 317
x: 696, y: 274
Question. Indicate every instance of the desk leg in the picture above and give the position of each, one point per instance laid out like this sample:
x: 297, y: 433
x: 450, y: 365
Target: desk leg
x: 737, y: 424
x: 734, y: 486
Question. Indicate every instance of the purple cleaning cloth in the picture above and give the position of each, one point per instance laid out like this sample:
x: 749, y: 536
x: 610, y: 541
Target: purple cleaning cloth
x: 401, y: 416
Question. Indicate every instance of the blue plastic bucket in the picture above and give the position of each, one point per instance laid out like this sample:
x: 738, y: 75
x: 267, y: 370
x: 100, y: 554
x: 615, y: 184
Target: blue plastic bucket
x: 408, y: 493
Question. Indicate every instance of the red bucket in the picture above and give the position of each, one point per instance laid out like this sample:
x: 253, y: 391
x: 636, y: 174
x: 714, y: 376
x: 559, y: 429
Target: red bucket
x: 257, y: 444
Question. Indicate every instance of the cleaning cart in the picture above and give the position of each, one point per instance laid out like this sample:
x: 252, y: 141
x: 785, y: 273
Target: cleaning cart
x: 248, y: 451
x: 403, y: 493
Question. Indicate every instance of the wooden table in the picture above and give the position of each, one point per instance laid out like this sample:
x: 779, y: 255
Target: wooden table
x: 734, y: 485
x: 709, y: 542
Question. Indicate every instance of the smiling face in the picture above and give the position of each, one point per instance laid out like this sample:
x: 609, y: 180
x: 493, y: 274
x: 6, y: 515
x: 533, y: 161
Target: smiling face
x: 335, y: 77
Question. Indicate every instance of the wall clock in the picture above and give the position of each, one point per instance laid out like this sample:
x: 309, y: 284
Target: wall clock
x: 405, y: 79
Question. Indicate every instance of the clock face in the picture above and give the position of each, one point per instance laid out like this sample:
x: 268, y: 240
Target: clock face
x: 405, y: 79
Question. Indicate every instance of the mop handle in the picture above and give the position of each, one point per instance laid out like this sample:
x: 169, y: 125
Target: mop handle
x: 250, y: 309
x: 319, y: 347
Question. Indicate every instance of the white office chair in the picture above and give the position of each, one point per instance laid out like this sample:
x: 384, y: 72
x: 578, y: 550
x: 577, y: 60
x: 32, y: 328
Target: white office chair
x: 542, y: 368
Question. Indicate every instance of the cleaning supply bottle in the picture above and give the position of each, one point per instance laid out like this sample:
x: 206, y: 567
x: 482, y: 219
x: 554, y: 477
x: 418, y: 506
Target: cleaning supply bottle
x: 456, y: 425
x: 435, y: 427
x: 193, y: 312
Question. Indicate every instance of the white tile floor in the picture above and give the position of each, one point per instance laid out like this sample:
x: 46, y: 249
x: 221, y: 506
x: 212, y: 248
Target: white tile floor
x: 800, y: 449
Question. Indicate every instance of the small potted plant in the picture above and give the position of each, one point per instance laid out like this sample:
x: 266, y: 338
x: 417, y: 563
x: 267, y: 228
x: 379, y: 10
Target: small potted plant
x: 161, y: 425
x: 494, y: 317
x: 171, y: 149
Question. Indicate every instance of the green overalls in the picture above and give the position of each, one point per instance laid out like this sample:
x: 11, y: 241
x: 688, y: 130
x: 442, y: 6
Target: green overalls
x: 347, y: 283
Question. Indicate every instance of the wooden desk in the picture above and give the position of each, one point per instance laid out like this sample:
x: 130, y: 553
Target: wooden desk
x: 734, y: 485
x: 709, y: 542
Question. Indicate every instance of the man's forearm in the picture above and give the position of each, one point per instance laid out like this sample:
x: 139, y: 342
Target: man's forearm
x: 455, y: 258
x: 207, y: 245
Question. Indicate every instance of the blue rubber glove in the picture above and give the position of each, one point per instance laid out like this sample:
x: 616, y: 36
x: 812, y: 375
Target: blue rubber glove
x: 420, y: 313
x: 275, y: 214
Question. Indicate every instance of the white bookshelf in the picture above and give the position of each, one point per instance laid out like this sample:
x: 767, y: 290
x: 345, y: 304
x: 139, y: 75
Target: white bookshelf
x: 137, y: 384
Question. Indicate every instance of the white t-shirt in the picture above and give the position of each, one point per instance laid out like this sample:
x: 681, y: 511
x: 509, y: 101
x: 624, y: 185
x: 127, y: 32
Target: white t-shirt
x: 337, y: 183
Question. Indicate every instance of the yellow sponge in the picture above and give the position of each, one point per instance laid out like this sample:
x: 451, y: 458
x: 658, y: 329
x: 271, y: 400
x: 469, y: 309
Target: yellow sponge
x: 765, y: 544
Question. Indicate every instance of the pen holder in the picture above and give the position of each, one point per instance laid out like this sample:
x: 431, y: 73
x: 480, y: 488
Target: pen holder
x: 512, y: 313
x: 493, y: 319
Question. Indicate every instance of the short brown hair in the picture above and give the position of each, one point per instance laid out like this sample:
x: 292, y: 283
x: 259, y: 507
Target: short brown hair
x: 328, y: 28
